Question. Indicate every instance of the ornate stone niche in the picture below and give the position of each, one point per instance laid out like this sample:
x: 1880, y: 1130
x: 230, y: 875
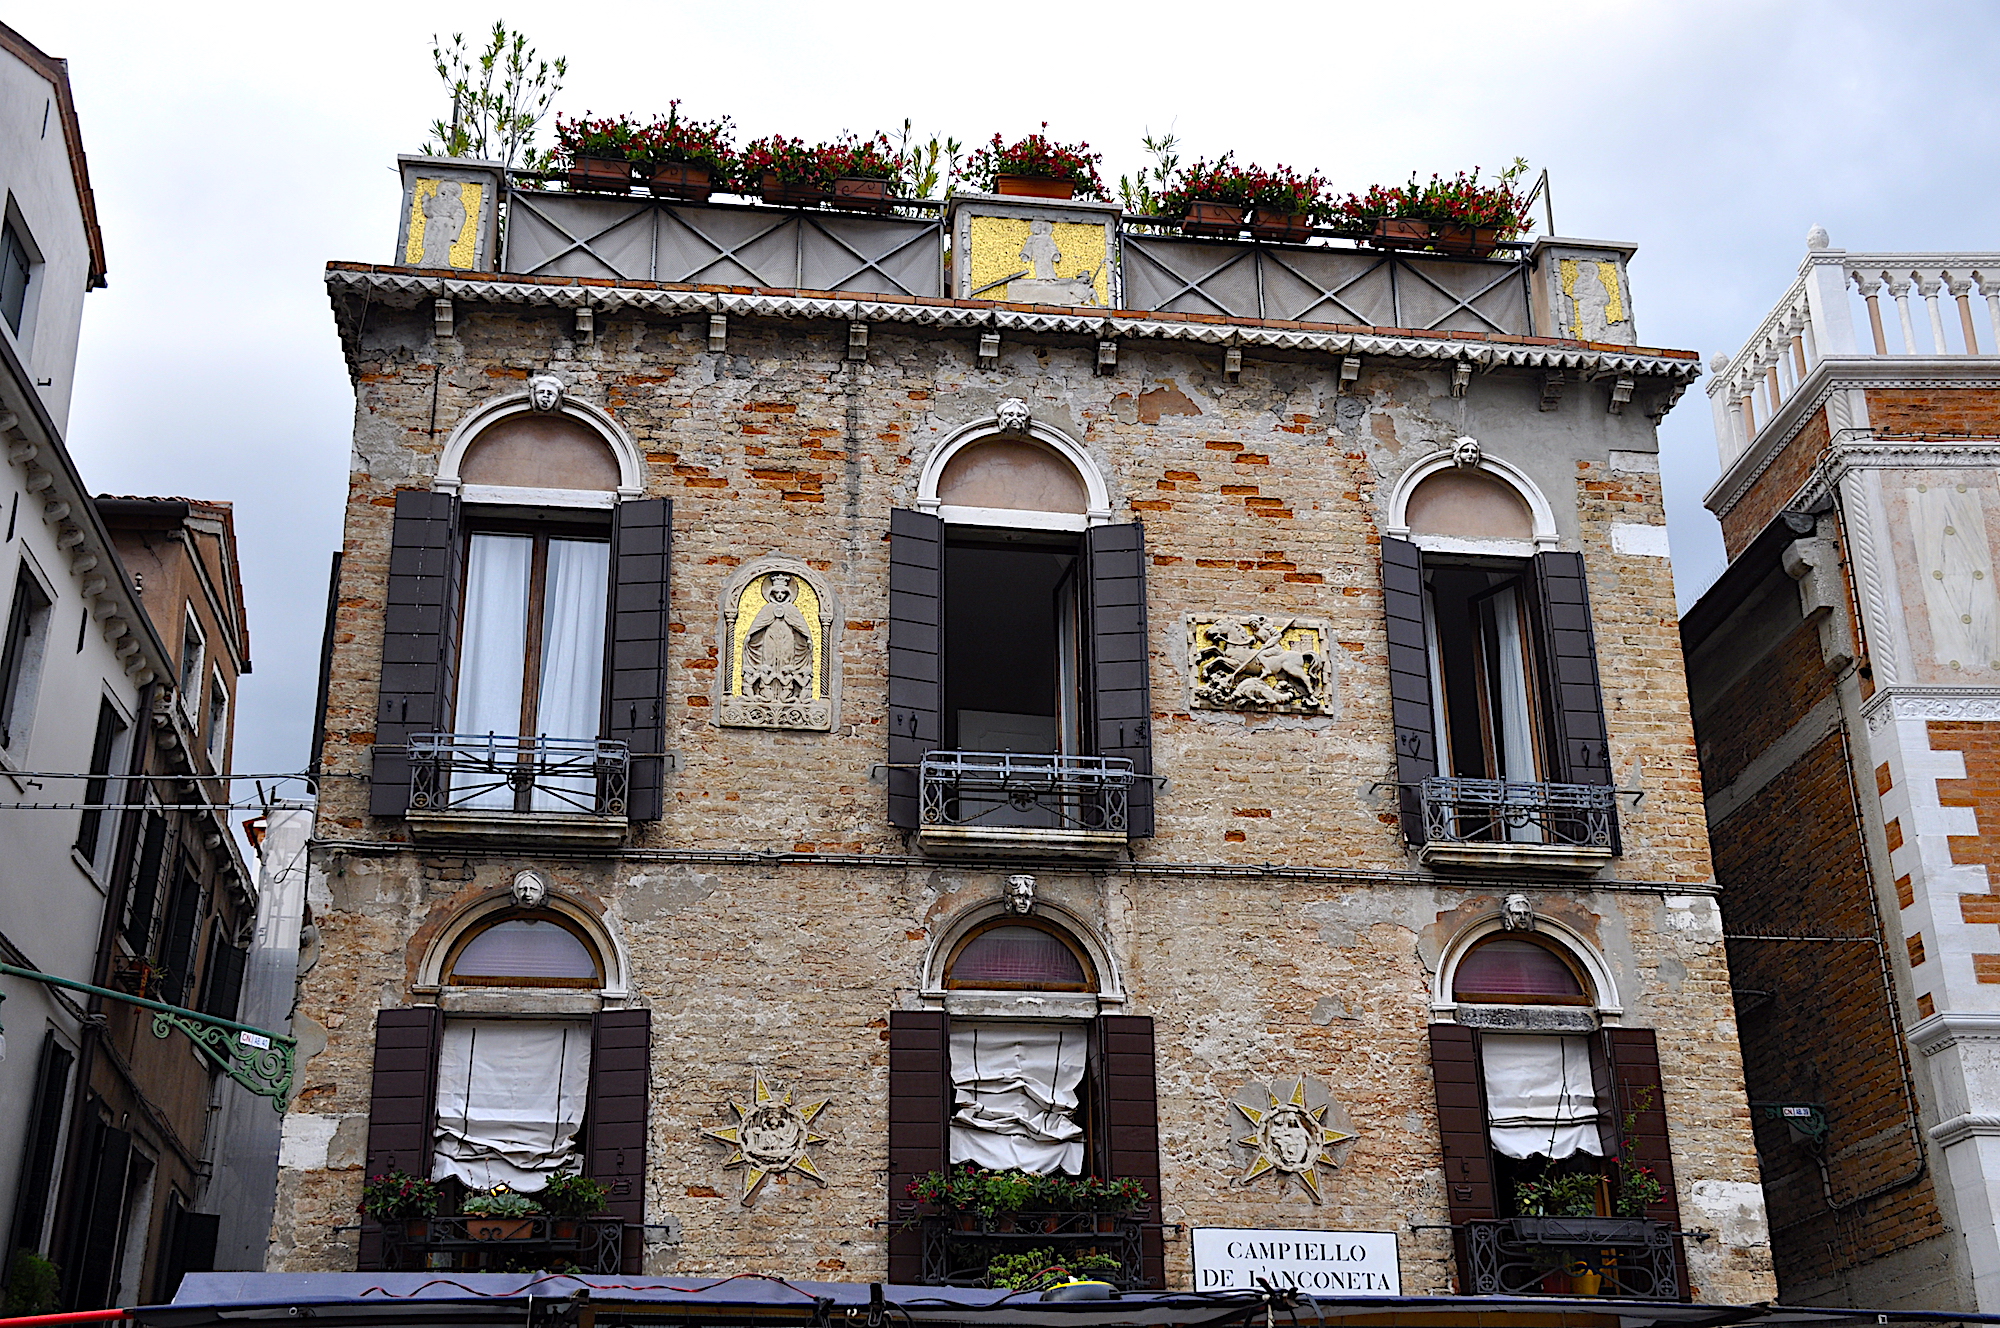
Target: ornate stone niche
x: 780, y: 648
x: 1257, y: 663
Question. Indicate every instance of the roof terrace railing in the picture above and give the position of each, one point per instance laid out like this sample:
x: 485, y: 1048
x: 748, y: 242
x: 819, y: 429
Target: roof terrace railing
x: 1835, y: 309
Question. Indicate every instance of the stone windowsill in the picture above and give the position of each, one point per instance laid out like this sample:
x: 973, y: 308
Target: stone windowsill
x: 986, y: 841
x: 1568, y: 859
x: 473, y: 826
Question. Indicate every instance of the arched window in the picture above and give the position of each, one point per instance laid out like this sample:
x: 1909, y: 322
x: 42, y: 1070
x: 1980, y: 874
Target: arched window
x: 1013, y: 474
x: 1468, y: 504
x: 1508, y: 970
x: 537, y: 451
x: 525, y: 949
x: 1006, y: 955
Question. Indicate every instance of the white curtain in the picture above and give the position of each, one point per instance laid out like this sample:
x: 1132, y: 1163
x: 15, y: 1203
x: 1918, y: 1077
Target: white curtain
x: 1516, y: 736
x: 510, y: 1098
x: 1539, y: 1095
x: 493, y: 651
x: 572, y: 683
x: 1015, y: 1086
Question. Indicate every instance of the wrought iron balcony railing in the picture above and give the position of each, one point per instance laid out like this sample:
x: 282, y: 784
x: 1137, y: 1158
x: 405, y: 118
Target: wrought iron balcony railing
x: 1026, y: 790
x: 504, y: 1244
x: 1627, y: 1257
x: 507, y: 773
x: 959, y: 1249
x: 1464, y: 811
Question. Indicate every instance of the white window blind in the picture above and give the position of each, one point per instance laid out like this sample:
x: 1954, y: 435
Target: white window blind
x: 510, y: 1098
x: 1539, y: 1096
x: 1015, y: 1087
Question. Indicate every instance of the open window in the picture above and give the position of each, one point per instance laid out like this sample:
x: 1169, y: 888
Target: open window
x: 21, y: 657
x: 524, y: 653
x: 1019, y: 711
x: 1499, y: 720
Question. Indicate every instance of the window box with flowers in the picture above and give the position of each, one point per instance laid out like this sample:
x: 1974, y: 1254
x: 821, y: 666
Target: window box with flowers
x: 397, y: 1198
x: 1035, y: 167
x: 597, y: 153
x: 990, y: 1218
x: 1458, y: 215
x: 684, y: 158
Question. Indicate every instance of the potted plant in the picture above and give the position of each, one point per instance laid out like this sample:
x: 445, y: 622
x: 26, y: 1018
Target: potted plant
x: 685, y: 158
x: 397, y: 1196
x: 1208, y: 197
x: 1002, y: 1194
x: 863, y: 171
x: 1284, y: 205
x: 785, y: 171
x: 956, y: 1192
x: 1379, y: 213
x: 1039, y: 1269
x: 569, y: 1197
x: 597, y: 154
x: 1109, y: 1199
x: 1459, y: 215
x: 506, y: 1215
x: 1035, y: 167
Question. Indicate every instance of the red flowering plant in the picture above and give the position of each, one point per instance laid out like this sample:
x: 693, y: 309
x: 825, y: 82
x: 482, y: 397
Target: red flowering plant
x: 606, y: 138
x: 1039, y: 157
x: 397, y: 1196
x: 1459, y: 200
x: 680, y: 138
x: 1279, y: 190
x: 875, y: 157
x: 1218, y: 181
x: 792, y: 160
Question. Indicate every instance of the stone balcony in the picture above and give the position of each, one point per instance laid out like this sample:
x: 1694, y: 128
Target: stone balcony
x: 1852, y: 318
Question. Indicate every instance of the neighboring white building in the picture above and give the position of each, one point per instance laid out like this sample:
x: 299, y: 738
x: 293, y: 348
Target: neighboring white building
x: 79, y: 657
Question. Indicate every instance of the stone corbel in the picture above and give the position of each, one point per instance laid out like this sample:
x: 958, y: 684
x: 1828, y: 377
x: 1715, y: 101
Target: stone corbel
x: 1107, y: 358
x: 1350, y: 371
x: 1553, y: 383
x: 857, y: 341
x: 1461, y: 377
x: 1232, y: 364
x: 441, y: 316
x: 1815, y: 564
x: 586, y: 324
x: 718, y: 333
x: 989, y: 350
x: 1621, y: 392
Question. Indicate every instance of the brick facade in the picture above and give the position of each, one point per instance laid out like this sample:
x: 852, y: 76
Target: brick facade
x: 773, y: 919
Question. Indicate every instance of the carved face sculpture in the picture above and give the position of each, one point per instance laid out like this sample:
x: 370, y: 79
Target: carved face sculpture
x: 773, y: 1135
x: 778, y: 589
x: 1012, y: 415
x: 530, y: 890
x: 545, y: 392
x: 1517, y: 914
x: 1466, y: 454
x: 1020, y: 894
x: 1288, y: 1139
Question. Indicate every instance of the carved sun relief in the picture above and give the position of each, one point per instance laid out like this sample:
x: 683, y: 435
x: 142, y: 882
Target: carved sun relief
x: 771, y: 1136
x: 1288, y: 1134
x: 1253, y: 662
x: 778, y: 656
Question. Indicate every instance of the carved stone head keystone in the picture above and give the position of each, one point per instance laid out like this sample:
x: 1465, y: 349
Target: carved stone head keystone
x: 1012, y: 415
x: 545, y: 393
x: 1021, y: 894
x: 1517, y: 914
x: 1466, y: 453
x: 530, y: 890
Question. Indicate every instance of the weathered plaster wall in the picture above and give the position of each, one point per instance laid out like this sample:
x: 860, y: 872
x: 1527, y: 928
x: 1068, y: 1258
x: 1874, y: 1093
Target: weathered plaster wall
x: 1264, y: 495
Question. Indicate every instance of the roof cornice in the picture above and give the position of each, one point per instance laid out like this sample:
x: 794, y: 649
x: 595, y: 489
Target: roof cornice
x: 57, y: 72
x: 406, y: 287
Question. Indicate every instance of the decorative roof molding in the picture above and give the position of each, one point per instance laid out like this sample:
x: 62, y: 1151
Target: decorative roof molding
x: 1836, y: 374
x: 408, y: 287
x: 1980, y: 705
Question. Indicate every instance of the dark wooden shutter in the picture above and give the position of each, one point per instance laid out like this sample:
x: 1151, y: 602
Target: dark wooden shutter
x: 419, y: 634
x: 177, y: 949
x: 919, y: 1127
x: 37, y: 1183
x: 146, y: 883
x: 110, y: 1152
x: 1569, y: 653
x: 1461, y: 1109
x: 1119, y: 691
x: 916, y: 656
x: 1638, y: 1093
x: 635, y: 679
x: 1132, y: 1122
x: 621, y: 1048
x: 1409, y: 680
x: 402, y: 1103
x: 222, y: 985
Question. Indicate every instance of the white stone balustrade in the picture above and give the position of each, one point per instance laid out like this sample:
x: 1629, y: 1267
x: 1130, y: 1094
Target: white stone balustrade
x: 1817, y: 320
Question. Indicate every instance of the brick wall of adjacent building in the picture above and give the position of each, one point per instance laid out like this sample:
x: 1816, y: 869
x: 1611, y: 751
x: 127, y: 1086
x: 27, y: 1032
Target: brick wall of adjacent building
x: 1256, y: 496
x: 1774, y: 489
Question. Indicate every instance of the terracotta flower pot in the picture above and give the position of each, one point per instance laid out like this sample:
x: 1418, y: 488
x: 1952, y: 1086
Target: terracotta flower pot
x: 1107, y: 1224
x: 1400, y: 233
x: 417, y: 1229
x: 775, y: 190
x: 1470, y: 241
x: 1034, y: 186
x: 596, y: 175
x: 862, y: 193
x: 1289, y: 227
x: 685, y: 180
x: 563, y: 1228
x: 1207, y: 217
x: 500, y: 1228
x: 965, y: 1221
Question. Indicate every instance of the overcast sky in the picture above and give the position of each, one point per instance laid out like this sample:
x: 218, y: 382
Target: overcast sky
x: 235, y: 149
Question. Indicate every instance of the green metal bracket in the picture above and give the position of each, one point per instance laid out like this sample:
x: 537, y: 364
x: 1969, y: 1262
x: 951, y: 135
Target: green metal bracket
x: 1806, y: 1120
x: 256, y: 1058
